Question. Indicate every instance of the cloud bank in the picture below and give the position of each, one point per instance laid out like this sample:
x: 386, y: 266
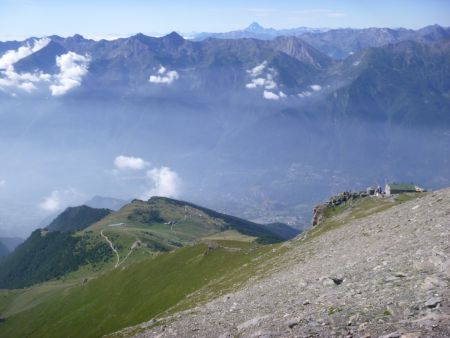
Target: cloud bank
x: 164, y: 76
x: 128, y: 162
x: 258, y: 70
x: 11, y: 57
x: 10, y: 79
x: 72, y: 68
x: 263, y: 77
x: 274, y: 97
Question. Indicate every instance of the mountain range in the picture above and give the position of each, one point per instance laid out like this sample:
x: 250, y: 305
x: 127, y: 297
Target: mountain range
x: 259, y: 124
x: 337, y: 43
x: 257, y: 128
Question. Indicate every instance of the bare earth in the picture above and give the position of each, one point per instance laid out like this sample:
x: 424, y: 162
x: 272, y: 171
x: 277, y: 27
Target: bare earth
x: 384, y: 275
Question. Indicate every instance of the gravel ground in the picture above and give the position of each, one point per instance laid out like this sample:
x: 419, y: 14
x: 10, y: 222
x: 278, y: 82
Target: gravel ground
x: 385, y: 275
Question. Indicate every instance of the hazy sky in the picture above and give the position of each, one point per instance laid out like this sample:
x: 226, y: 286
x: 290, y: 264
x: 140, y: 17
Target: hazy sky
x: 94, y: 18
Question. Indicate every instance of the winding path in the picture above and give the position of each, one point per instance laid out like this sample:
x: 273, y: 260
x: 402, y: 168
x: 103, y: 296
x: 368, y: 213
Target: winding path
x: 118, y: 262
x: 112, y: 248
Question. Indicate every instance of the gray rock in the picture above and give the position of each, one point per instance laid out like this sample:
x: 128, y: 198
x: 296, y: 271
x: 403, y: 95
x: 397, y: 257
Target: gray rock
x: 395, y: 334
x: 251, y: 322
x: 291, y: 323
x: 400, y: 274
x: 433, y: 302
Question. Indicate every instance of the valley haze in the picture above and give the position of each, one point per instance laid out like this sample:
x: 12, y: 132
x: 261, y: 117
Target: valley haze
x: 251, y: 122
x: 285, y: 179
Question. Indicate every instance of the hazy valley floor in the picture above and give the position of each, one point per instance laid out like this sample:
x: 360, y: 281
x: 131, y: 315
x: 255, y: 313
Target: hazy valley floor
x: 382, y: 275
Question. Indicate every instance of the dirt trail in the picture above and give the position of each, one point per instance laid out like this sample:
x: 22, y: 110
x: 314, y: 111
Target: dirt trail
x: 118, y: 262
x: 112, y: 248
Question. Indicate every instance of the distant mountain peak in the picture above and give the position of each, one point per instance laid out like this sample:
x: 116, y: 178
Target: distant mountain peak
x: 174, y: 37
x: 78, y: 37
x: 139, y: 35
x: 255, y: 28
x: 102, y: 202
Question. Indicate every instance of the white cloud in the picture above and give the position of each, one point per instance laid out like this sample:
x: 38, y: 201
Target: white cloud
x: 270, y: 84
x: 304, y: 94
x: 164, y: 76
x: 258, y: 70
x: 315, y: 87
x: 60, y: 199
x: 24, y: 81
x: 262, y: 77
x: 72, y: 68
x: 258, y: 82
x: 162, y: 70
x: 165, y: 182
x: 10, y: 79
x: 128, y: 162
x: 270, y: 96
x: 2, y: 183
x: 11, y: 57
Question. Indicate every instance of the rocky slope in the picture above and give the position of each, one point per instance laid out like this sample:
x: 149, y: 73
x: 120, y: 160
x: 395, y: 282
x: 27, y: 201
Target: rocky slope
x: 360, y: 274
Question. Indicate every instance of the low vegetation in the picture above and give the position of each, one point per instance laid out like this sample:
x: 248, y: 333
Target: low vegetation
x: 46, y: 255
x: 125, y: 297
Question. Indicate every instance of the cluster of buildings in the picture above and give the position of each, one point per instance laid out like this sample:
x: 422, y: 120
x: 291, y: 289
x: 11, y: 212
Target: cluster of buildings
x: 395, y: 188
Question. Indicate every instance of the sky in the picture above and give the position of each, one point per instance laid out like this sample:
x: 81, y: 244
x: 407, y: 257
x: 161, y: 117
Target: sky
x: 110, y: 18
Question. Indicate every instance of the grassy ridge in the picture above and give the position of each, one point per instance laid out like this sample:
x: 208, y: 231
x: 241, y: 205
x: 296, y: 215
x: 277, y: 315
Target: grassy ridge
x: 132, y: 295
x: 84, y: 237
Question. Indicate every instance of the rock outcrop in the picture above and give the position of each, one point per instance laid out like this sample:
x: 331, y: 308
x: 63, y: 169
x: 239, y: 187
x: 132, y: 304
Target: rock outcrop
x: 334, y: 201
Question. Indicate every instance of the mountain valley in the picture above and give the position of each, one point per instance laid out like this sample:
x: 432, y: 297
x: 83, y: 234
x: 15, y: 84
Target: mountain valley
x: 179, y: 185
x: 222, y: 105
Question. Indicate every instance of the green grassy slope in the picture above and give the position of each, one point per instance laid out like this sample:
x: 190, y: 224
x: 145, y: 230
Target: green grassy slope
x: 125, y: 297
x: 185, y: 221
